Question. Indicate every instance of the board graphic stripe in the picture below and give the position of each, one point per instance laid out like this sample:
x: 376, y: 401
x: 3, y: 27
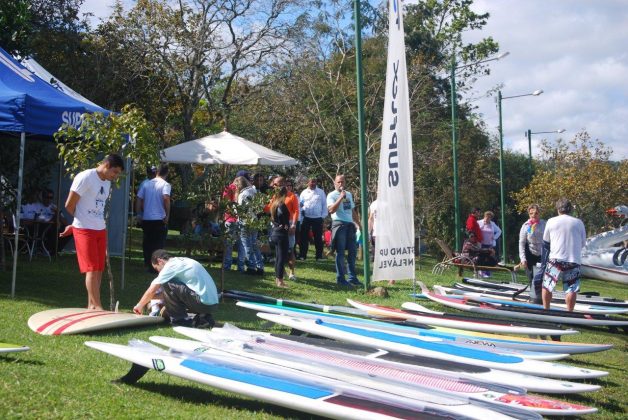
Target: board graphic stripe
x: 425, y: 379
x: 69, y: 324
x: 54, y: 321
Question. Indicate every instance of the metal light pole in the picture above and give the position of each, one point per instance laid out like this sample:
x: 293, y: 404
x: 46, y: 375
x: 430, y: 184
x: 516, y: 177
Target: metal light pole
x: 529, y: 135
x: 454, y: 140
x: 502, y: 196
x: 362, y: 146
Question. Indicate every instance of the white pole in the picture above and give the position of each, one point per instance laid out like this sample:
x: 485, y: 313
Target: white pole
x: 20, y: 178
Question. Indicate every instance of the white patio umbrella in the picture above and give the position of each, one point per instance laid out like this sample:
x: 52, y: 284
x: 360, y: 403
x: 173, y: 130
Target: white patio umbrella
x: 224, y: 148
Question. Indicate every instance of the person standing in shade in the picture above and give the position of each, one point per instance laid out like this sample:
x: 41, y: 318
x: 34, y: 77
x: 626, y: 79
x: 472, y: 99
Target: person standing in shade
x: 248, y: 237
x: 280, y: 222
x: 563, y: 240
x: 153, y: 202
x: 314, y: 205
x: 151, y: 173
x: 340, y: 205
x: 185, y: 286
x: 531, y: 247
x: 292, y: 202
x: 86, y: 203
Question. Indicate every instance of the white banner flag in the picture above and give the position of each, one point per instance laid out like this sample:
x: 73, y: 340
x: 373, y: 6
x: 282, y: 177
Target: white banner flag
x: 394, y: 231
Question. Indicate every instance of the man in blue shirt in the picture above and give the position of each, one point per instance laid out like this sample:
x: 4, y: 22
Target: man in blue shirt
x: 187, y: 287
x: 340, y: 205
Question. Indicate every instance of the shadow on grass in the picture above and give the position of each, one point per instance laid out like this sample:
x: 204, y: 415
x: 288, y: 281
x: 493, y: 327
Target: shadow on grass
x: 194, y: 395
x: 11, y: 358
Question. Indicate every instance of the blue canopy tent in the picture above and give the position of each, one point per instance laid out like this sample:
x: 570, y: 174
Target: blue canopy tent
x: 31, y: 105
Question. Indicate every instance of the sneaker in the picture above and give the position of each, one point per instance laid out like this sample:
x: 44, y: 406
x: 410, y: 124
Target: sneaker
x: 343, y: 283
x: 355, y: 282
x: 251, y: 271
x: 259, y: 271
x: 204, y: 321
x: 183, y: 322
x: 292, y: 277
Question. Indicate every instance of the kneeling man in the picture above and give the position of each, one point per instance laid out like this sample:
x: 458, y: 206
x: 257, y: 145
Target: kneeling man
x: 187, y: 287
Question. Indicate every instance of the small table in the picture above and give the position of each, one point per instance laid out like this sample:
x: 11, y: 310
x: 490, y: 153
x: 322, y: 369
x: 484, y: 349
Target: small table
x: 36, y: 231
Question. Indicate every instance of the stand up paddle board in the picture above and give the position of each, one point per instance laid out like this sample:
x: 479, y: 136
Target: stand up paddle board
x: 498, y: 343
x: 584, y: 297
x: 523, y: 313
x: 12, y: 348
x: 280, y: 386
x: 80, y: 320
x: 506, y: 341
x: 370, y: 373
x: 430, y: 366
x: 427, y: 317
x: 409, y: 345
x: 559, y: 307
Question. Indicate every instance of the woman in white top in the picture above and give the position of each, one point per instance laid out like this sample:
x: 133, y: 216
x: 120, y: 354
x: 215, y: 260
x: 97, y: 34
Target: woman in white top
x: 490, y: 233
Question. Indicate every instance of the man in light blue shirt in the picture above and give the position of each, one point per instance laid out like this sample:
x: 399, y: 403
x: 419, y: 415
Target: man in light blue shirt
x: 340, y: 205
x: 187, y: 287
x: 314, y: 210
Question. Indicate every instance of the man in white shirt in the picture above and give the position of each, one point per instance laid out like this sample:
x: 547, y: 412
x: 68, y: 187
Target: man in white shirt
x: 86, y: 203
x: 313, y: 203
x: 563, y: 240
x: 187, y: 287
x: 153, y: 203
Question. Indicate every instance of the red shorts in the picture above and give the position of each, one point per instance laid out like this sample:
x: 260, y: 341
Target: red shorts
x: 91, y: 246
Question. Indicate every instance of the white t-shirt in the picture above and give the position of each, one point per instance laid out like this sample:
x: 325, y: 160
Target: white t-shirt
x: 90, y: 209
x: 373, y: 211
x: 567, y: 236
x: 152, y: 192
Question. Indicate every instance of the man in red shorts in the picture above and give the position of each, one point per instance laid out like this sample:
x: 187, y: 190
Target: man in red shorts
x: 86, y: 203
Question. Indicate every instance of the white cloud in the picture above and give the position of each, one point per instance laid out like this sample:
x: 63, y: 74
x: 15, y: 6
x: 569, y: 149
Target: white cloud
x: 575, y: 51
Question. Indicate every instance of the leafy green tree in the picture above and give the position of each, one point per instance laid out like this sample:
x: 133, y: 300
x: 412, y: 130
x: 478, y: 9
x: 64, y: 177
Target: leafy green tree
x: 580, y: 170
x: 15, y: 21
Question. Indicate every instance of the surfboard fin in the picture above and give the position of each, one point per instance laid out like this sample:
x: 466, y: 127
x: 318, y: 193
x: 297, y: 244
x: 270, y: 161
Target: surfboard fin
x: 133, y: 375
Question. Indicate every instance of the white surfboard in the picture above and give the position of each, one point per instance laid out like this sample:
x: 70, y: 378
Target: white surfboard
x: 81, y: 320
x: 371, y: 373
x: 284, y: 387
x: 525, y: 347
x: 426, y: 365
x: 407, y: 345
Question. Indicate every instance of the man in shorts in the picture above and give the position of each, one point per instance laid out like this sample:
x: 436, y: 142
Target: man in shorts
x: 563, y: 240
x: 185, y: 286
x: 86, y: 203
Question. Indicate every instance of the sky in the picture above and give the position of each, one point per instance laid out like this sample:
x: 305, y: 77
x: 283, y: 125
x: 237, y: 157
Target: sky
x: 574, y: 50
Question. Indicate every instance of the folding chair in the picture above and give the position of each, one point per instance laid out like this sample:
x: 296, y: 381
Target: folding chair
x: 454, y: 259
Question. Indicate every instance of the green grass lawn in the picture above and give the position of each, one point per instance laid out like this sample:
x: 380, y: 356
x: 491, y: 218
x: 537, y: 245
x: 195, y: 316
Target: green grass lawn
x: 62, y: 378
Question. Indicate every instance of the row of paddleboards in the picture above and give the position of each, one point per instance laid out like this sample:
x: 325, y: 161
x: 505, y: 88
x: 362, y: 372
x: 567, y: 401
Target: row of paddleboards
x: 341, y: 380
x: 421, y: 315
x: 507, y: 309
x: 489, y: 297
x: 508, y: 289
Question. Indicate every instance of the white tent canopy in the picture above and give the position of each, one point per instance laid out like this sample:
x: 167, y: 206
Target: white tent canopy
x: 225, y: 148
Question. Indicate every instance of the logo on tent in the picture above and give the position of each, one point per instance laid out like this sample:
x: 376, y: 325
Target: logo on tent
x: 22, y: 72
x: 73, y: 119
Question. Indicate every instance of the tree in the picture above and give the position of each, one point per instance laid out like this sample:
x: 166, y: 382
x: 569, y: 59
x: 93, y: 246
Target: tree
x: 15, y: 21
x: 580, y: 170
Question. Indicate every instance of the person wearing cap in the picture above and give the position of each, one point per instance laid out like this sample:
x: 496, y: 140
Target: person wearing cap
x: 314, y: 207
x: 153, y: 201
